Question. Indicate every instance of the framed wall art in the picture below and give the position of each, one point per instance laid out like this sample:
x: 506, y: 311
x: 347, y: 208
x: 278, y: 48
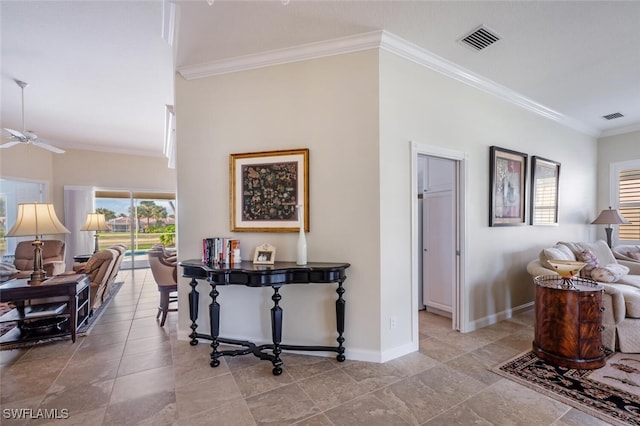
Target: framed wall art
x: 266, y: 187
x: 545, y: 182
x: 507, y: 179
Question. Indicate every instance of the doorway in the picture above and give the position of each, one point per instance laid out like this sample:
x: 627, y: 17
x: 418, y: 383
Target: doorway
x: 438, y: 233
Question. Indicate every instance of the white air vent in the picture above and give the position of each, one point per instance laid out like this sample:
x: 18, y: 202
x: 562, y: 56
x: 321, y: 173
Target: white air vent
x: 612, y: 116
x: 479, y: 38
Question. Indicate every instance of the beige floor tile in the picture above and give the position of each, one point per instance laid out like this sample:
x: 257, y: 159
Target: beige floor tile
x: 235, y: 413
x: 128, y: 370
x: 366, y: 410
x: 284, y: 405
x: 206, y: 394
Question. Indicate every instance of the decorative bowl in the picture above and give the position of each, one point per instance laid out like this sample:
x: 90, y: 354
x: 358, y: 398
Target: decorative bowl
x: 567, y: 269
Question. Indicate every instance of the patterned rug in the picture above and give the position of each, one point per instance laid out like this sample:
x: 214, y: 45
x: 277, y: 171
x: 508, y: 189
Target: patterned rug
x: 610, y: 393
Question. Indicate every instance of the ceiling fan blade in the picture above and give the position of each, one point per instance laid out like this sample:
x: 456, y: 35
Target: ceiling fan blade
x: 16, y: 133
x: 10, y: 144
x: 49, y: 147
x: 29, y: 134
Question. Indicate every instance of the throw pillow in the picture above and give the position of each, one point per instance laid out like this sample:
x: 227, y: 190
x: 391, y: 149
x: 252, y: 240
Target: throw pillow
x: 7, y: 269
x: 591, y: 261
x: 557, y: 252
x: 634, y: 255
x: 610, y: 273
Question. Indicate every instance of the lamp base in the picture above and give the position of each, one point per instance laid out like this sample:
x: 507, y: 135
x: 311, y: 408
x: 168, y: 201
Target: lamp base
x: 37, y: 277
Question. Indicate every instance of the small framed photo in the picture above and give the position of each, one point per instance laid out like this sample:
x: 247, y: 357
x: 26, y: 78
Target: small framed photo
x: 507, y: 179
x: 545, y: 182
x: 265, y: 189
x: 264, y: 255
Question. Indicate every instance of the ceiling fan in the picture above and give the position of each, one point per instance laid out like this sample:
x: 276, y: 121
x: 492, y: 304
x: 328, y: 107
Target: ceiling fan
x: 27, y: 136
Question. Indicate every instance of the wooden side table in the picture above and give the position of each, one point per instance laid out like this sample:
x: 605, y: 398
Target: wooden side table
x: 568, y: 323
x: 75, y: 288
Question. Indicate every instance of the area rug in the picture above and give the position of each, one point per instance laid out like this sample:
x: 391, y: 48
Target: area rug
x: 84, y: 330
x: 610, y: 393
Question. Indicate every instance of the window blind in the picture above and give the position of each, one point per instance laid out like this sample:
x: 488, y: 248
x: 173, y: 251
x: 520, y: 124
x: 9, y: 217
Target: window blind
x: 629, y: 196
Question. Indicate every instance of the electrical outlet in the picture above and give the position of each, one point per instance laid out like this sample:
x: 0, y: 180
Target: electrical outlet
x: 393, y: 322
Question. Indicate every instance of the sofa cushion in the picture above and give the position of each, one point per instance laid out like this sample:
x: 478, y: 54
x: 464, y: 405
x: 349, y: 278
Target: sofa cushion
x: 634, y: 255
x: 557, y: 252
x: 599, y: 248
x: 609, y: 273
x: 588, y: 257
x: 631, y: 296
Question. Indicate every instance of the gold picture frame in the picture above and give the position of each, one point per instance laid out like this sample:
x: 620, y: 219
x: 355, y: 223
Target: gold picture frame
x: 266, y: 188
x: 264, y: 254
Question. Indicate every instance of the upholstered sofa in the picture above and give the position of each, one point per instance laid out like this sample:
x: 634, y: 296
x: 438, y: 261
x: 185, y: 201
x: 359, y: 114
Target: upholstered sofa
x: 102, y: 268
x: 621, y: 282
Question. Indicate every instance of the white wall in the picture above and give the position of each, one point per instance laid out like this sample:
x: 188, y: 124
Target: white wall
x: 329, y: 106
x: 423, y: 106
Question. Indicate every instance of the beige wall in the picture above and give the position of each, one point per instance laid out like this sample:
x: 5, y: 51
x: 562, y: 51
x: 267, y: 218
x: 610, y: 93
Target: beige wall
x: 612, y: 150
x: 86, y: 168
x: 25, y: 162
x: 360, y: 188
x: 329, y: 106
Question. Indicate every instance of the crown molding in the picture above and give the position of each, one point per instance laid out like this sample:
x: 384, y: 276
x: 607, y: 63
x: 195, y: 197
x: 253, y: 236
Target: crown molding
x: 620, y: 131
x: 390, y: 43
x: 300, y: 53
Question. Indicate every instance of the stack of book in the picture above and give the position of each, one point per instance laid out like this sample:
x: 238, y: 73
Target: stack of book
x: 220, y: 251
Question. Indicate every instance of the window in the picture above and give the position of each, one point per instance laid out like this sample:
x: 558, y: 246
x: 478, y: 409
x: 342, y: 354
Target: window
x: 629, y: 204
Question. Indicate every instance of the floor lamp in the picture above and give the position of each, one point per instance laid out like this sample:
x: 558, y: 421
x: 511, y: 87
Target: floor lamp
x: 95, y: 222
x: 610, y: 217
x: 38, y: 220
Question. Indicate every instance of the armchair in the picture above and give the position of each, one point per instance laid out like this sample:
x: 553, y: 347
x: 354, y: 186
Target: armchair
x: 165, y: 273
x: 53, y: 252
x: 99, y: 268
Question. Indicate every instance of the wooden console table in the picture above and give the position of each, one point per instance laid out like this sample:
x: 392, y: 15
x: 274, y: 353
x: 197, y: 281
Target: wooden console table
x: 74, y: 288
x: 274, y: 276
x: 568, y: 323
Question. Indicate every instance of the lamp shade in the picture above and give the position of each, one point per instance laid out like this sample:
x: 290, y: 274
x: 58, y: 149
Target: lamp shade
x: 36, y: 219
x: 610, y: 217
x: 95, y: 222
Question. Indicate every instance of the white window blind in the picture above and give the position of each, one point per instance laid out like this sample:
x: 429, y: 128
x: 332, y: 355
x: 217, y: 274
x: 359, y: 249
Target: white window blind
x: 629, y: 199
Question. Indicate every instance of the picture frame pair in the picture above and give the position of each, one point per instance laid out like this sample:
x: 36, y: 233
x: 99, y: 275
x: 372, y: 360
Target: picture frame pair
x: 508, y: 197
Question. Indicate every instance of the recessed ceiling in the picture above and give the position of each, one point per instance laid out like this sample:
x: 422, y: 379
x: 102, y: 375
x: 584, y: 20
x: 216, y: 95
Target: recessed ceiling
x: 100, y: 73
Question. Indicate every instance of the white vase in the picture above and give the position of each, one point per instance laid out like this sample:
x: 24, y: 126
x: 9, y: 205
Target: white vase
x: 301, y: 258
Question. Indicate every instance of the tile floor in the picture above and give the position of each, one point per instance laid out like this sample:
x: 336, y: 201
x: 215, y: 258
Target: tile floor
x: 130, y: 371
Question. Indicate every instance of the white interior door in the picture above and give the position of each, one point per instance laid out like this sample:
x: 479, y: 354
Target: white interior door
x: 438, y: 235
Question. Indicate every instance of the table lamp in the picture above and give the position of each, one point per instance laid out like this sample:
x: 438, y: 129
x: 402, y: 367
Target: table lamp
x: 38, y: 220
x: 95, y: 222
x: 610, y: 217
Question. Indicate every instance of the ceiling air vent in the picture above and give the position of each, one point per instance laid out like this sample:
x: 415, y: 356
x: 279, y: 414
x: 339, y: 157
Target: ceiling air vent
x: 612, y: 116
x: 479, y: 38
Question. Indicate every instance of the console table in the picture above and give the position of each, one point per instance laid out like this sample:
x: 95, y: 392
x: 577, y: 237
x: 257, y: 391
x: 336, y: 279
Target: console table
x: 75, y: 288
x: 274, y: 276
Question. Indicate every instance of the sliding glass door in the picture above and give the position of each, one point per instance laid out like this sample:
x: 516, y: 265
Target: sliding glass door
x: 138, y: 220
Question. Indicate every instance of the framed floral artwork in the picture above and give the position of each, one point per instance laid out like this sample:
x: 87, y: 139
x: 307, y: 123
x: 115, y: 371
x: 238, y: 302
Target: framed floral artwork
x: 545, y: 182
x: 266, y: 190
x: 507, y: 171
